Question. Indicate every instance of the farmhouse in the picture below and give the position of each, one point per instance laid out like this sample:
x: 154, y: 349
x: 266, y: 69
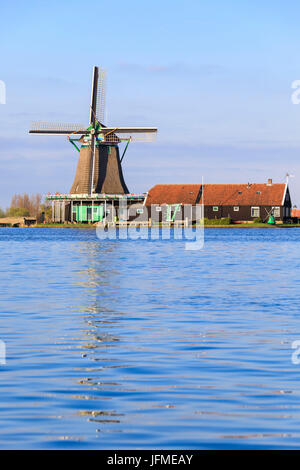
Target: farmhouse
x: 240, y: 202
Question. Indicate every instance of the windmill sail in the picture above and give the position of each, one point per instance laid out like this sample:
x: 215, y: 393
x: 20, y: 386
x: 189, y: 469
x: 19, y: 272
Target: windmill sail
x: 134, y: 134
x: 101, y: 95
x: 92, y: 172
x: 99, y: 169
x: 94, y: 96
x: 38, y: 127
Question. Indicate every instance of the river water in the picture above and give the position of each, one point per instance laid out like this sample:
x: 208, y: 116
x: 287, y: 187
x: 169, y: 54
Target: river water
x: 119, y: 344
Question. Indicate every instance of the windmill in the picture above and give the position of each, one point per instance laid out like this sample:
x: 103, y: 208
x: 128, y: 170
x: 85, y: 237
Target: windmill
x: 99, y: 169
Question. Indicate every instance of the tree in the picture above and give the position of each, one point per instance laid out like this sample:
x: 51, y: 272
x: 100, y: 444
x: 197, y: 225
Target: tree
x: 25, y: 205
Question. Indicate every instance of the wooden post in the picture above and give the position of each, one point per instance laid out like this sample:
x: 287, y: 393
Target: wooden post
x: 63, y: 212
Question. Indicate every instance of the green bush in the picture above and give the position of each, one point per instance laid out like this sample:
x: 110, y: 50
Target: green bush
x: 222, y: 221
x: 258, y: 220
x: 18, y: 212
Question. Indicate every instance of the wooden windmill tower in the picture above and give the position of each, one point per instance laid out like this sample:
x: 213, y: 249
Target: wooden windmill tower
x: 99, y: 169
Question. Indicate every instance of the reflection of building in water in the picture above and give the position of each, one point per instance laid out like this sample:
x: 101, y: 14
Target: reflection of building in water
x: 99, y: 337
x: 101, y: 416
x: 98, y: 278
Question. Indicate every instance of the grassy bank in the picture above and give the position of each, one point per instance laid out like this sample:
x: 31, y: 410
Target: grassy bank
x: 206, y: 225
x: 85, y: 226
x: 267, y: 226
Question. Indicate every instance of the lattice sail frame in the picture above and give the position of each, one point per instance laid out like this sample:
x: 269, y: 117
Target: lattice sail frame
x: 101, y: 95
x: 138, y: 137
x: 38, y: 126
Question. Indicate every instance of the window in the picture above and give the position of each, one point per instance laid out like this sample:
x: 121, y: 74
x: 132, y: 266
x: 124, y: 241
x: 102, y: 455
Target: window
x: 215, y: 208
x: 255, y: 211
x: 158, y: 209
x: 236, y: 208
x: 276, y: 211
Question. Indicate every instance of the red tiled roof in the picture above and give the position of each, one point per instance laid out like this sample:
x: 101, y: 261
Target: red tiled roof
x: 218, y: 194
x: 244, y: 194
x: 173, y: 194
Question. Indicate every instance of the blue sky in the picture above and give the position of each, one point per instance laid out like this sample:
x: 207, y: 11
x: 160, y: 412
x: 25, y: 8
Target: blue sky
x: 214, y: 77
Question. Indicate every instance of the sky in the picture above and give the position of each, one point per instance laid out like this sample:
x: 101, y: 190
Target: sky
x: 215, y: 77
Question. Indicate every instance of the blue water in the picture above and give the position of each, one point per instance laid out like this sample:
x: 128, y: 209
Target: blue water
x: 142, y: 344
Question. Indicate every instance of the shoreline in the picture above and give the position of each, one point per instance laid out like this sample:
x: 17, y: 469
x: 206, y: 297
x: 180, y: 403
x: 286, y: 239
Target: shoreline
x: 86, y: 226
x: 233, y: 226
